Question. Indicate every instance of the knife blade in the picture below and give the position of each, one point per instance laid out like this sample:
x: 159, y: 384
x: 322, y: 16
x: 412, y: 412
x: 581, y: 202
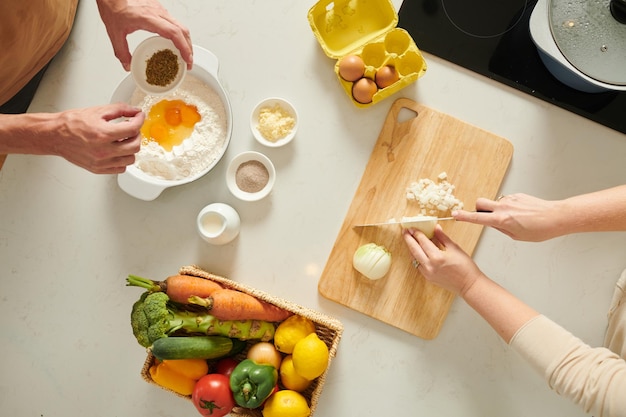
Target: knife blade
x: 400, y: 222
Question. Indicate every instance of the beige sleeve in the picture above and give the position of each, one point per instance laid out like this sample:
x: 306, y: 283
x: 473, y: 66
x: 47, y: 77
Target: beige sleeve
x: 593, y: 378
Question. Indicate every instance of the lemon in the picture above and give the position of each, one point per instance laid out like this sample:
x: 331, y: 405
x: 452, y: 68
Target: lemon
x: 290, y: 331
x: 290, y: 378
x: 286, y: 403
x: 310, y: 357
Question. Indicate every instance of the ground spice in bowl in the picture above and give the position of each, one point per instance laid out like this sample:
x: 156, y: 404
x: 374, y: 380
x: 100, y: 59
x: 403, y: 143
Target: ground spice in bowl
x: 162, y: 68
x: 252, y: 176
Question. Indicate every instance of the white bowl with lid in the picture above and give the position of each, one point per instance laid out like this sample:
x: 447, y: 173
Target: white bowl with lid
x: 583, y: 52
x: 145, y: 54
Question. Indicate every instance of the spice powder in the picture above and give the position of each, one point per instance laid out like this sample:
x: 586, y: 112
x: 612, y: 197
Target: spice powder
x: 161, y: 68
x: 251, y: 176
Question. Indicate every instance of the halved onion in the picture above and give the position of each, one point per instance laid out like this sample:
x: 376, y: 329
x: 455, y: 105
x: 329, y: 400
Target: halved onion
x: 372, y: 260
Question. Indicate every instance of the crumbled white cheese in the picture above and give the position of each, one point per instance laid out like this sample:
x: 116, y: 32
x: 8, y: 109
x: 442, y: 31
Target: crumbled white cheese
x: 275, y: 123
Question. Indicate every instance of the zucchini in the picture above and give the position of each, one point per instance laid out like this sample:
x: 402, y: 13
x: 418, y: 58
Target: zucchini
x: 195, y: 347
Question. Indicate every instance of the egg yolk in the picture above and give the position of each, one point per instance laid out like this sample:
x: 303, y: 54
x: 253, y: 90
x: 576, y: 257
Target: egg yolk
x: 170, y: 122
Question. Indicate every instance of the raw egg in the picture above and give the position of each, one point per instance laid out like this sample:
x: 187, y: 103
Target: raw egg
x: 170, y: 122
x: 363, y: 90
x: 351, y: 67
x: 386, y: 76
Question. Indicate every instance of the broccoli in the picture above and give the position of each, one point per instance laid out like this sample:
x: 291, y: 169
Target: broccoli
x: 153, y: 316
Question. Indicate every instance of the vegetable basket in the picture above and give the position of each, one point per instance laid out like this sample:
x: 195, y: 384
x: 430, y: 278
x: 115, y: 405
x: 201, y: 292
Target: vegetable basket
x: 328, y: 329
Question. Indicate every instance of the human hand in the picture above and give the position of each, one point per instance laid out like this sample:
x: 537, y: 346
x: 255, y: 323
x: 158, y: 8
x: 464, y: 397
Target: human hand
x: 93, y: 139
x: 520, y: 216
x: 441, y: 261
x: 123, y: 17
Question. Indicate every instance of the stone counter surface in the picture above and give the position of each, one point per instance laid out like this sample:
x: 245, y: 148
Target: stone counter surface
x: 69, y: 238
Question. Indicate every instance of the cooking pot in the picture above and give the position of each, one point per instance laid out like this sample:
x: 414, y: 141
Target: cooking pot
x: 146, y: 187
x: 582, y: 43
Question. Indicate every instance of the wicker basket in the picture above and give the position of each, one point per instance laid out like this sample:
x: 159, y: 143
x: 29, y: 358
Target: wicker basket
x: 328, y: 329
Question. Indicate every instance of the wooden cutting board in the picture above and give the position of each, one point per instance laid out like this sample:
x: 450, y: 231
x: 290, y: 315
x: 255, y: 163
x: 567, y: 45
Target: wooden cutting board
x: 415, y: 142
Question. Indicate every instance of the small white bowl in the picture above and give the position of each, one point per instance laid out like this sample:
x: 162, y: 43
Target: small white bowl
x: 143, y: 53
x: 231, y: 176
x: 287, y: 107
x: 218, y: 223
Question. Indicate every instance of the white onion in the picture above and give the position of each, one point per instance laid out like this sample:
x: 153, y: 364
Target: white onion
x: 372, y: 260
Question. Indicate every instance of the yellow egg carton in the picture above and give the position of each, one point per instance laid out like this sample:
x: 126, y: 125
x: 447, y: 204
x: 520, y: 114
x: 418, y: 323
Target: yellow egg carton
x: 367, y: 28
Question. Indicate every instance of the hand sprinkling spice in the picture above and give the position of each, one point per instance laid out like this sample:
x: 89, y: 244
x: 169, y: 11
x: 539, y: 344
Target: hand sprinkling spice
x: 251, y: 176
x: 161, y: 68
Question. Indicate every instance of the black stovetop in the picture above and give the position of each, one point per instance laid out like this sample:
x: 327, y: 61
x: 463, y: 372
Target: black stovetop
x: 491, y: 38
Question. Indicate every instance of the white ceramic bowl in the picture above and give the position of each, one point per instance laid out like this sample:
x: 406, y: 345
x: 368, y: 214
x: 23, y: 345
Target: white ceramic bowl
x: 143, y: 53
x: 218, y: 223
x: 231, y: 176
x: 147, y: 187
x: 287, y: 107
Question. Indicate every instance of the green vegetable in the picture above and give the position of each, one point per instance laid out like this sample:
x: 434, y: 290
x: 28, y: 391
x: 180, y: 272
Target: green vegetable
x: 252, y: 383
x: 153, y: 317
x: 196, y: 347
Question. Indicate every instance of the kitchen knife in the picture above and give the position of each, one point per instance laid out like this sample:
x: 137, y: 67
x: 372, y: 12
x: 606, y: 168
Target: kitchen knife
x: 400, y: 222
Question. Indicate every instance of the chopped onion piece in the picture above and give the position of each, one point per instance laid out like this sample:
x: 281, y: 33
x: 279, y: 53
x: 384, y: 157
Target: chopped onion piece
x: 425, y: 224
x: 433, y: 197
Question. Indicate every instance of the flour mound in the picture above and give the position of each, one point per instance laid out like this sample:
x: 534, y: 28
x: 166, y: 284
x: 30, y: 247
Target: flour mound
x: 196, y: 153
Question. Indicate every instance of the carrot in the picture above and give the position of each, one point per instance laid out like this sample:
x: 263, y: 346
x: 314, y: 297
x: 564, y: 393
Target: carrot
x: 178, y: 287
x: 227, y: 304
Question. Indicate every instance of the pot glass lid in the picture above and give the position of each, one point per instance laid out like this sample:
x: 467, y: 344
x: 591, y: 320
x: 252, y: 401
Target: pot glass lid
x: 590, y: 38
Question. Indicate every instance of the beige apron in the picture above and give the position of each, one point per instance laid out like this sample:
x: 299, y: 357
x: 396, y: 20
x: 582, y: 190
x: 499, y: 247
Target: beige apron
x: 31, y: 33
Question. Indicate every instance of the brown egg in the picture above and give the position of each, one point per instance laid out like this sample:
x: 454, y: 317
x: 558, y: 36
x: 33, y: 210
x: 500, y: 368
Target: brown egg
x: 363, y: 90
x: 386, y: 76
x: 351, y: 67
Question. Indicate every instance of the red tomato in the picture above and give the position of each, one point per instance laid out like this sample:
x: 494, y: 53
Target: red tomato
x: 212, y: 395
x: 225, y: 366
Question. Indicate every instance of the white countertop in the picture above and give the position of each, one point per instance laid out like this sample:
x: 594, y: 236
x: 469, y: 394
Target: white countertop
x: 68, y: 238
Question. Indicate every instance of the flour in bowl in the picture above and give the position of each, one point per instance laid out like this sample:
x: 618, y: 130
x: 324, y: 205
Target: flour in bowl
x: 197, y: 152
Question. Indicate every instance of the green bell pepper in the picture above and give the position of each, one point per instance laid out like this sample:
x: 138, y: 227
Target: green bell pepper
x: 251, y: 383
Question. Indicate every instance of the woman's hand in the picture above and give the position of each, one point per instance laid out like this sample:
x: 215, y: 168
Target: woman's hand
x: 441, y: 261
x: 519, y: 216
x: 444, y: 263
x: 123, y: 17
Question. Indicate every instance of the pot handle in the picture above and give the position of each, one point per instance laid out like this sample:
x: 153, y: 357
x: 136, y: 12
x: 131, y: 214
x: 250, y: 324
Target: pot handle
x: 137, y: 188
x: 618, y: 10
